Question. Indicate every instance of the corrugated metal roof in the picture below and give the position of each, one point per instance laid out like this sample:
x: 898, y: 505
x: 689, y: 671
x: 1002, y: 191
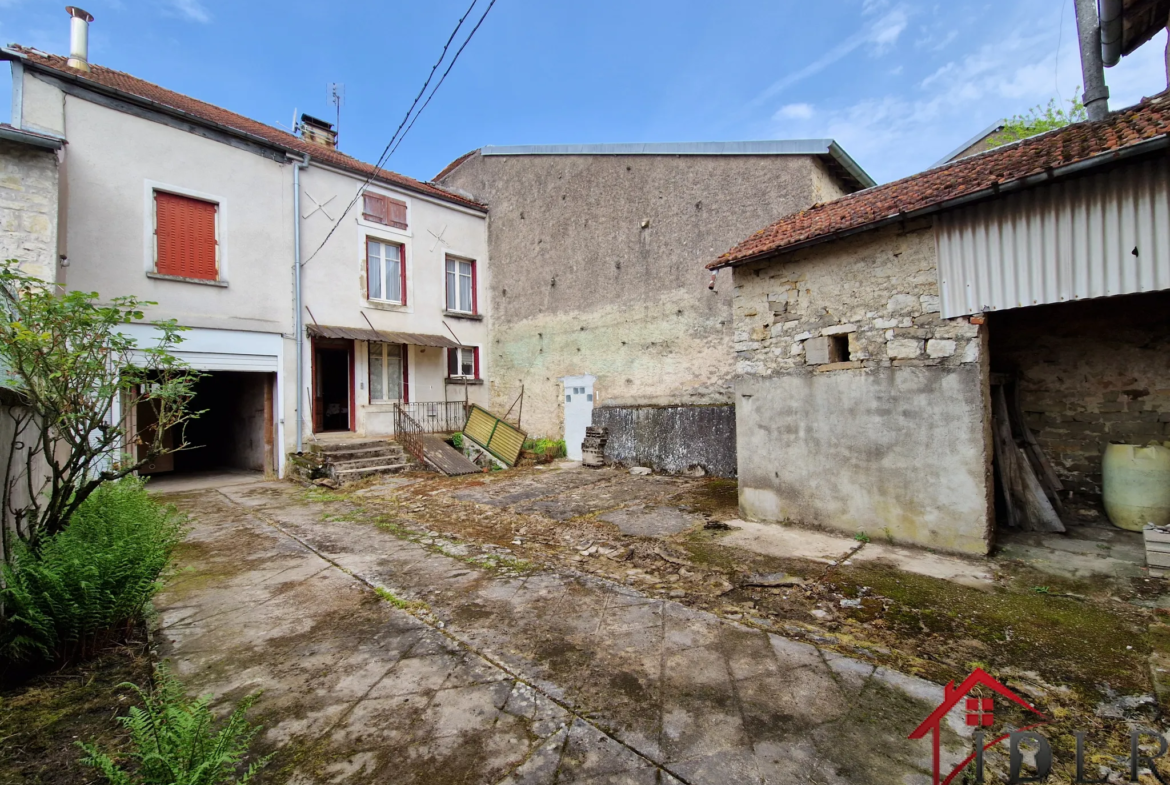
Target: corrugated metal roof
x: 382, y: 336
x: 825, y: 147
x: 1095, y: 236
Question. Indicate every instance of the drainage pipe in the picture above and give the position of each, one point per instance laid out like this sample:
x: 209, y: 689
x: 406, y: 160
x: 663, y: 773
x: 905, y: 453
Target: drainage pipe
x: 1111, y: 32
x: 1096, y: 97
x: 298, y: 316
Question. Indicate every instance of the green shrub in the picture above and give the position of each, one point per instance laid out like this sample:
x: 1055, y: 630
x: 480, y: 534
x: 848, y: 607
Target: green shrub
x: 457, y: 440
x: 549, y: 449
x: 87, y: 583
x: 174, y: 742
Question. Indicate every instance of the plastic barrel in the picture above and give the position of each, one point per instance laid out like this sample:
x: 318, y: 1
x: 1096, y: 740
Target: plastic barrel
x: 1136, y: 485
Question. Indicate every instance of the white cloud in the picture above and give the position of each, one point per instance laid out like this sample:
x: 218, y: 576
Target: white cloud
x: 894, y: 135
x: 795, y: 112
x: 873, y: 6
x: 192, y: 10
x: 880, y: 37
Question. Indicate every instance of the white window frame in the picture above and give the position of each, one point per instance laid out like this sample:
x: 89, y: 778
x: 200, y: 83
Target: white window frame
x: 150, y: 223
x: 470, y: 350
x: 404, y: 272
x: 470, y: 308
x: 380, y: 346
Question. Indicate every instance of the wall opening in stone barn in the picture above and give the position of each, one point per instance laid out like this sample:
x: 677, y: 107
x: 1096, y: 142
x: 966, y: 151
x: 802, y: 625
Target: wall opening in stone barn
x: 1089, y: 373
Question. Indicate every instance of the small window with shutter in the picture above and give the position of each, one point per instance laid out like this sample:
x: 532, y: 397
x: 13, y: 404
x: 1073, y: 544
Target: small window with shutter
x: 384, y: 210
x: 463, y: 362
x: 186, y: 237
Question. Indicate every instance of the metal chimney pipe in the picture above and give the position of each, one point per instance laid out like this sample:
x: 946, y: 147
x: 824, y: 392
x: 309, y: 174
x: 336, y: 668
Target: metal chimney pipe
x: 79, y: 37
x: 1096, y: 97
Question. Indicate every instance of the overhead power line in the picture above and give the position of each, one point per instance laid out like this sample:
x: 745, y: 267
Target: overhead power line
x: 400, y: 133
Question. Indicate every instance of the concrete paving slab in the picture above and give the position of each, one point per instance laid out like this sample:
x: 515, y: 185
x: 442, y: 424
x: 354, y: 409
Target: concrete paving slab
x: 652, y: 520
x: 551, y: 678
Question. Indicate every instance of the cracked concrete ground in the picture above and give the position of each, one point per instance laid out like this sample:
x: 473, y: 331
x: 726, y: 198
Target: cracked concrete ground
x: 469, y: 674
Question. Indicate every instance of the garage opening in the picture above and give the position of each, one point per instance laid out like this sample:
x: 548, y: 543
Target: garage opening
x: 1086, y: 374
x: 235, y: 431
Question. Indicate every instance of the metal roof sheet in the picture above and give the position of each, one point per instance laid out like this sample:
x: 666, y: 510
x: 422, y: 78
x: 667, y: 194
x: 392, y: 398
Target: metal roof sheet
x: 382, y: 336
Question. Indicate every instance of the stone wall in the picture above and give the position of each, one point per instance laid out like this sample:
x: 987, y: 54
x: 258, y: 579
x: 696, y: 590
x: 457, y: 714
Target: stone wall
x: 858, y: 407
x: 671, y: 439
x: 28, y: 208
x: 598, y: 268
x: 1090, y: 373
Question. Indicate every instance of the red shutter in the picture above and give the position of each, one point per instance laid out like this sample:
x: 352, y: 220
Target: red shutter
x: 185, y: 237
x: 402, y: 270
x: 374, y: 208
x: 397, y: 213
x: 474, y: 297
x: 475, y: 361
x: 405, y: 377
x: 452, y: 363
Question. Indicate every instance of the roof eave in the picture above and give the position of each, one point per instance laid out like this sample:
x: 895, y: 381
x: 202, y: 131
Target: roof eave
x: 97, y: 87
x: 42, y: 141
x: 1154, y: 144
x: 838, y: 154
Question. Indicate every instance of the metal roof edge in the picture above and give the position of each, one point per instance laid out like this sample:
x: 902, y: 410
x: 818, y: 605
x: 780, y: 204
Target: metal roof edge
x: 759, y: 147
x: 997, y: 125
x: 846, y: 161
x: 31, y: 138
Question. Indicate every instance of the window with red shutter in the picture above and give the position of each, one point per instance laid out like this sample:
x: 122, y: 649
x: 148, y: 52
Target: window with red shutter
x: 384, y: 210
x: 186, y: 239
x: 463, y: 362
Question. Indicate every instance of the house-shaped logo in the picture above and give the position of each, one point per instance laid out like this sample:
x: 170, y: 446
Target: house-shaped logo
x: 980, y: 713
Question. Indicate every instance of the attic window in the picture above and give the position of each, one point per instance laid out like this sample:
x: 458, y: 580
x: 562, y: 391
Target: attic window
x: 384, y: 210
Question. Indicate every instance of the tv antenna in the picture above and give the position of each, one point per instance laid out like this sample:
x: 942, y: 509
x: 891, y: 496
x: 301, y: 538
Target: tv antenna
x: 337, y: 98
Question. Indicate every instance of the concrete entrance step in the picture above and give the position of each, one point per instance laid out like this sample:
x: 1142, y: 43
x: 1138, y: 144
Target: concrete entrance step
x: 387, y: 449
x: 350, y: 475
x: 374, y: 460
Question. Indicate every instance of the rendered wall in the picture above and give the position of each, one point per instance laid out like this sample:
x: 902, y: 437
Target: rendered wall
x: 671, y: 439
x: 895, y: 441
x: 597, y: 268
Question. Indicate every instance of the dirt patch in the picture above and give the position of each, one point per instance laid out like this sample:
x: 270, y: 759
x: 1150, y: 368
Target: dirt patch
x: 42, y: 718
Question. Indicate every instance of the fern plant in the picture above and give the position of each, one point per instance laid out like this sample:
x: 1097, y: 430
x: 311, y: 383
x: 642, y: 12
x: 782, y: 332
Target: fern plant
x: 174, y: 741
x: 86, y: 584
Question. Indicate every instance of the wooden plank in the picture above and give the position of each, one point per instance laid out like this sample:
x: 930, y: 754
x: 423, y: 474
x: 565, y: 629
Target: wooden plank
x: 446, y: 458
x: 1028, y: 504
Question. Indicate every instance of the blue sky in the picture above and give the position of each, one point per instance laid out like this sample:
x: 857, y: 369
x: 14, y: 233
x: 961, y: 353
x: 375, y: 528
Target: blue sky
x: 898, y: 84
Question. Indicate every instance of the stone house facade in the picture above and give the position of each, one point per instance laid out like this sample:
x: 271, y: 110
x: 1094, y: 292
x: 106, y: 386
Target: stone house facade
x: 871, y: 332
x: 601, y: 310
x: 29, y: 199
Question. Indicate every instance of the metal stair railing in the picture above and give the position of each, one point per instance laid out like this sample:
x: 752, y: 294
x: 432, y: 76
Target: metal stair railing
x: 409, y: 433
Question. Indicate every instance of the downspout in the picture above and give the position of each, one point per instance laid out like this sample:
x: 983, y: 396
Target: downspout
x: 1111, y: 32
x: 298, y: 317
x: 1096, y: 96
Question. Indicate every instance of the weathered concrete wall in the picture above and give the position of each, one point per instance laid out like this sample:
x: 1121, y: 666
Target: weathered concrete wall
x: 1090, y: 373
x: 894, y: 452
x: 28, y: 208
x: 671, y: 438
x: 894, y: 439
x: 597, y: 268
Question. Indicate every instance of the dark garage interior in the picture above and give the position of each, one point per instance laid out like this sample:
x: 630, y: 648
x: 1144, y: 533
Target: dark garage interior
x: 235, y: 430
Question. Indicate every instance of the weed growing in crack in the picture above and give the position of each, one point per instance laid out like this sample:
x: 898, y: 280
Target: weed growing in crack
x: 399, y: 602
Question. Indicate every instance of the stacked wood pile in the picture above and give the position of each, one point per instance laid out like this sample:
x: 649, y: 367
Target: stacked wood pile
x: 1025, y: 477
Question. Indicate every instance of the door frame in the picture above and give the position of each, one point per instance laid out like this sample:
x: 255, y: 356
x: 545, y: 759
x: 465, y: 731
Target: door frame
x: 333, y: 344
x: 588, y: 381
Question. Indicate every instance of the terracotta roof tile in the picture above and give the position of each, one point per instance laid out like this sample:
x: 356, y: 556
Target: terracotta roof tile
x: 965, y: 177
x: 200, y: 110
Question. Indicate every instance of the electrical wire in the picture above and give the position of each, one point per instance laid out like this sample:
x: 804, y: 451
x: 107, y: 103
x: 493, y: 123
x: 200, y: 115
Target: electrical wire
x: 399, y: 133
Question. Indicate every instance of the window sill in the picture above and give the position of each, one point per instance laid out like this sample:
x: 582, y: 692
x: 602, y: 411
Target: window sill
x: 457, y: 380
x: 384, y: 305
x: 181, y: 279
x: 464, y: 315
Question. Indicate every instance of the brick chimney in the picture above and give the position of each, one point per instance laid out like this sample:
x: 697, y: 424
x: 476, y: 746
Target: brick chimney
x: 318, y: 131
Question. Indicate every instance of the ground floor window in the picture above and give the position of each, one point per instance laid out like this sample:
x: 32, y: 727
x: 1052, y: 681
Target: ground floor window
x: 386, y: 371
x: 463, y: 362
